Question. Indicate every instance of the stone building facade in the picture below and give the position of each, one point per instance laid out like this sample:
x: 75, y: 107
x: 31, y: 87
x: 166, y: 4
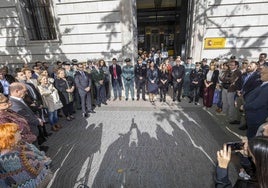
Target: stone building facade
x: 90, y: 29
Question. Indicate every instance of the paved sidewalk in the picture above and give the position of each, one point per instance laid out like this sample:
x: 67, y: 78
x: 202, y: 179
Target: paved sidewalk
x: 134, y: 144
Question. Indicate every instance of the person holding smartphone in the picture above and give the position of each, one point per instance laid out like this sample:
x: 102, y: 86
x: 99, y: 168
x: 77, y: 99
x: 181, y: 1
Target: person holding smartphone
x: 256, y: 150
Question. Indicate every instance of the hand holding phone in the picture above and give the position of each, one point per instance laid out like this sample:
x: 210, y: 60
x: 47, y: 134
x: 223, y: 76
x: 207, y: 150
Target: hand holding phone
x: 235, y: 145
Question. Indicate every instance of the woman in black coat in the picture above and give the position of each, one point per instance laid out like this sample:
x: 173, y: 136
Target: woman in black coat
x: 65, y: 87
x: 163, y: 81
x: 210, y: 82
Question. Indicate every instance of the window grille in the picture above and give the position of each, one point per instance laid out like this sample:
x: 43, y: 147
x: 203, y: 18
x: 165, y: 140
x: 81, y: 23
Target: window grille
x: 38, y: 19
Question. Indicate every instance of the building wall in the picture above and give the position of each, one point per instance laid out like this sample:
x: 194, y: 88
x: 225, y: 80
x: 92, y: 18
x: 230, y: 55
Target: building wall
x: 87, y: 29
x: 242, y: 23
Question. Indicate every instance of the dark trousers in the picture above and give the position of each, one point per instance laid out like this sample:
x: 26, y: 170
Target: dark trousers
x: 107, y: 89
x: 208, y: 96
x: 68, y: 109
x: 77, y: 100
x: 194, y: 93
x: 177, y: 87
x: 140, y: 85
x: 85, y: 101
x: 100, y: 94
x: 42, y: 135
x: 163, y: 91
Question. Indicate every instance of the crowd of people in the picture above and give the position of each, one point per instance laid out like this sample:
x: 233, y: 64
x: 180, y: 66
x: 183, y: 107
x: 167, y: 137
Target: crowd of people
x: 39, y: 95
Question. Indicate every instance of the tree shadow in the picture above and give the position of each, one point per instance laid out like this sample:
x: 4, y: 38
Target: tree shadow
x: 128, y: 22
x: 206, y: 18
x: 138, y: 160
x: 72, y: 150
x: 16, y: 48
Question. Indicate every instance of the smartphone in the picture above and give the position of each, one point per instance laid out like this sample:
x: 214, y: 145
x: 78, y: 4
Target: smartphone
x: 235, y: 145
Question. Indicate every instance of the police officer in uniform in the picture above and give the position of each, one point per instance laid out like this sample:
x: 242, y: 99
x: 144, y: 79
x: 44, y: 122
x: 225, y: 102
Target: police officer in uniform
x: 140, y: 78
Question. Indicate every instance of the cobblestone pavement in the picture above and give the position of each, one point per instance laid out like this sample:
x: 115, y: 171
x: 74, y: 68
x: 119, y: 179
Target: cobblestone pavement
x: 134, y: 144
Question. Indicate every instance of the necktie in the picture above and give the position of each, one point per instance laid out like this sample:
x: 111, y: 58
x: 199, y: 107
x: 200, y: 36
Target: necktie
x: 83, y: 74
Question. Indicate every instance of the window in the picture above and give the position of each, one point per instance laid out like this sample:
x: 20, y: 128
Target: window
x: 38, y: 19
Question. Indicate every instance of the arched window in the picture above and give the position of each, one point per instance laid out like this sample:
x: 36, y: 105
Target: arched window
x: 38, y: 19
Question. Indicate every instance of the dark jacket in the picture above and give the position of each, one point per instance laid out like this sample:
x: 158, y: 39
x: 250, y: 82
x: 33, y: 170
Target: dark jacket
x: 27, y: 113
x: 164, y: 76
x: 61, y: 85
x: 97, y: 76
x: 222, y: 180
x: 196, y: 76
x: 251, y: 83
x: 214, y: 78
x: 140, y: 71
x: 256, y: 106
x: 1, y: 88
x: 178, y: 72
x: 234, y: 78
x: 118, y: 73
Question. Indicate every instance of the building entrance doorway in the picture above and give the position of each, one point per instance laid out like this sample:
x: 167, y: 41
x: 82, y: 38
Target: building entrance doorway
x: 162, y: 22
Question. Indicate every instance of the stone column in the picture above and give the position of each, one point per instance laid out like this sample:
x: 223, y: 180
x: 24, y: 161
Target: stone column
x: 129, y: 29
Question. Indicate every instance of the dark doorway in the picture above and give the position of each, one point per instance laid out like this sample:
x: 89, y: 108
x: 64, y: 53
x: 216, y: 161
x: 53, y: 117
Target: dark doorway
x: 162, y: 21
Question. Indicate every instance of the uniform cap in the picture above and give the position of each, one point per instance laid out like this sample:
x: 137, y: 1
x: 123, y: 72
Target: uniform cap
x: 127, y: 60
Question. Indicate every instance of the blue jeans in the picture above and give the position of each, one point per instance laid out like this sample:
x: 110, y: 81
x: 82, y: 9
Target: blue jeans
x: 53, y: 117
x: 117, y: 89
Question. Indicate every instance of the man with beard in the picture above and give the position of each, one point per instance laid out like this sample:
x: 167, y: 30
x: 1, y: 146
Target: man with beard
x: 250, y: 80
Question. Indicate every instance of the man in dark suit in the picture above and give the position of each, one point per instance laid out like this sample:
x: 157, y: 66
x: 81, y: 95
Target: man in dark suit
x: 116, y: 71
x: 251, y: 78
x: 17, y: 92
x: 83, y: 83
x: 178, y: 72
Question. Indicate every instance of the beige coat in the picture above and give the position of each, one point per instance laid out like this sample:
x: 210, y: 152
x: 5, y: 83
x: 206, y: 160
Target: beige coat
x: 50, y: 97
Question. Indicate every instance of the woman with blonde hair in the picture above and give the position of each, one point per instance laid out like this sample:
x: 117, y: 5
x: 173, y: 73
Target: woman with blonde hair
x: 21, y: 164
x: 65, y: 87
x: 163, y: 81
x: 51, y: 100
x: 210, y: 82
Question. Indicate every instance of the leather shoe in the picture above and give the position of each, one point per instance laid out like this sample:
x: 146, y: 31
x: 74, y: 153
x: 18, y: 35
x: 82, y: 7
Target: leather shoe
x: 47, y: 134
x: 243, y: 127
x: 58, y: 126
x: 92, y: 111
x: 234, y: 122
x: 43, y: 148
x: 54, y: 128
x: 85, y: 115
x: 105, y: 103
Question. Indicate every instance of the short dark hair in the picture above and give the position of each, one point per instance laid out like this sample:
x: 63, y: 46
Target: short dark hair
x: 265, y: 54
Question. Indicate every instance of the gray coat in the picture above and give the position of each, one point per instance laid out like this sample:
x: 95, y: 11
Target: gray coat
x: 82, y: 82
